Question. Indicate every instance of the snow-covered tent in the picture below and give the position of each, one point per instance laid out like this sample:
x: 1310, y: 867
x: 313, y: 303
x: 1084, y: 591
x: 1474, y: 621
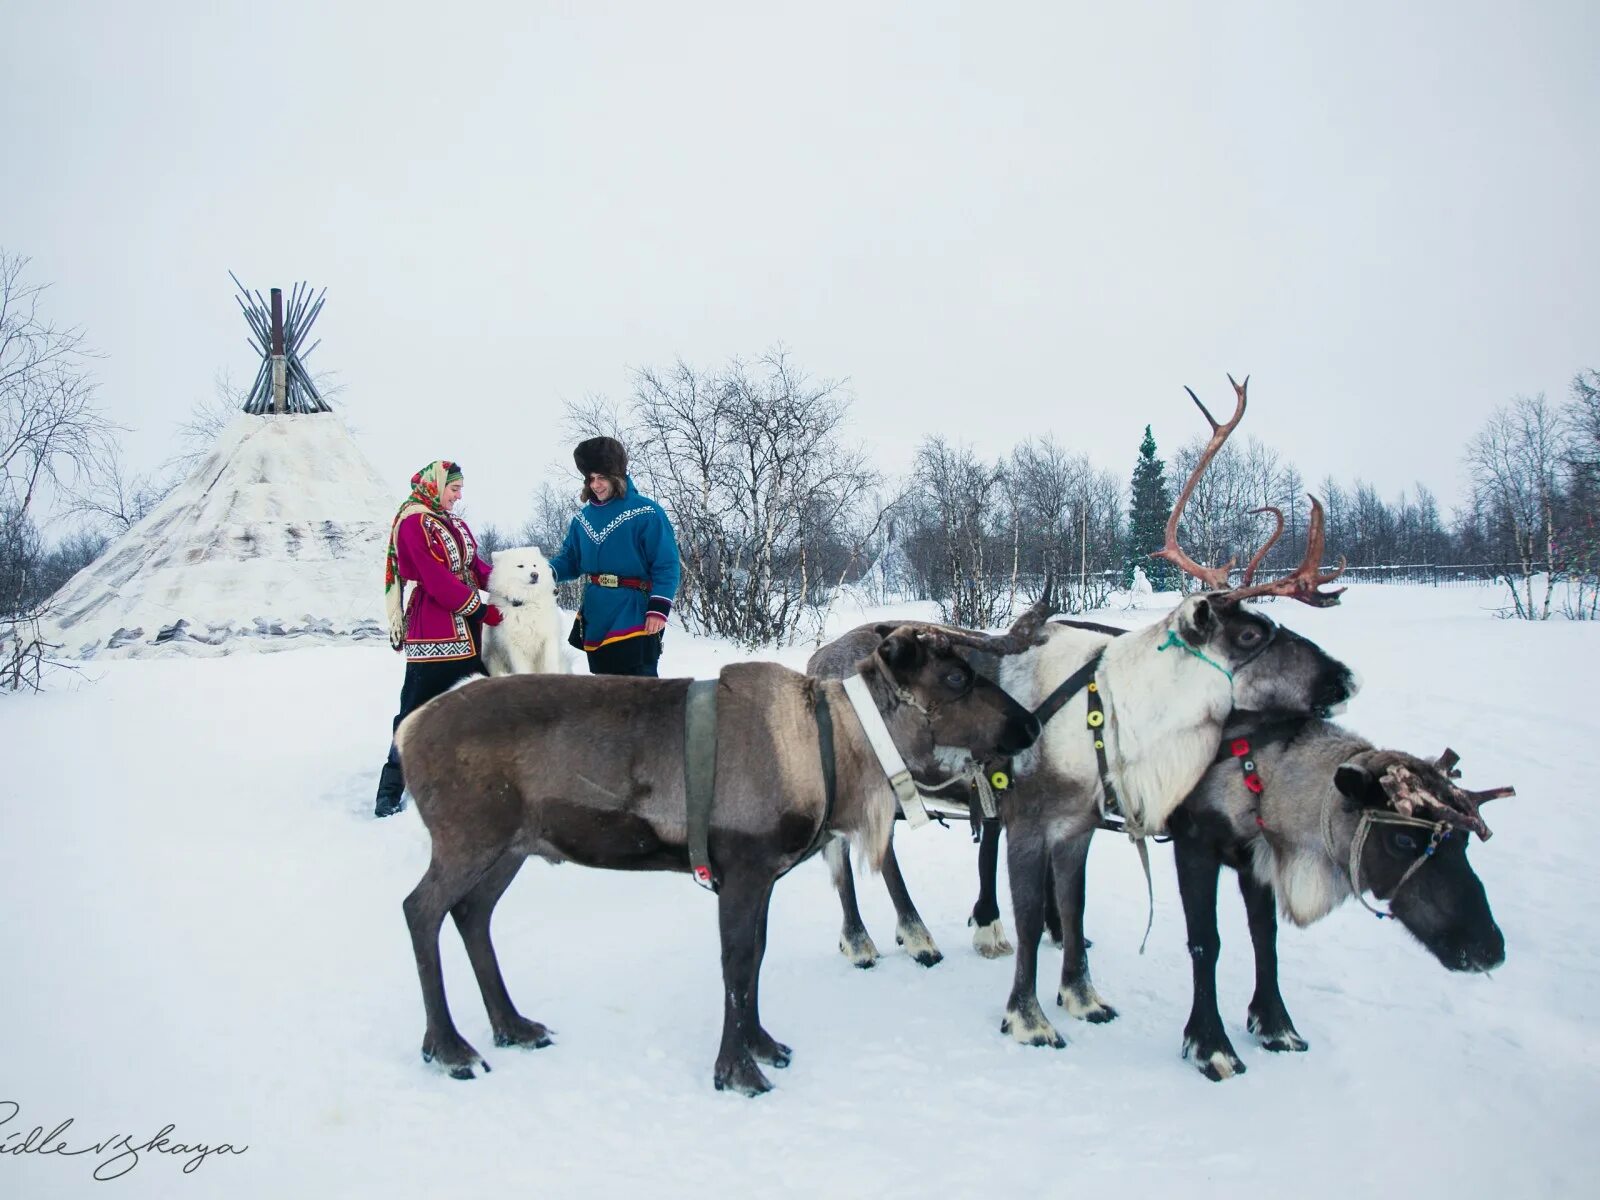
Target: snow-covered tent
x: 275, y: 541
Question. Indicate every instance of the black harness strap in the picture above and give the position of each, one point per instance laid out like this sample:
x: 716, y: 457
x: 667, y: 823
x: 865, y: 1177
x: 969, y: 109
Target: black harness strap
x: 830, y: 779
x: 700, y: 776
x: 1096, y: 720
x: 1070, y: 687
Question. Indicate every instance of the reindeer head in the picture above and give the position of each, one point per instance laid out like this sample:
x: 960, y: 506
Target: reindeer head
x: 944, y: 702
x: 1442, y: 903
x: 1272, y: 669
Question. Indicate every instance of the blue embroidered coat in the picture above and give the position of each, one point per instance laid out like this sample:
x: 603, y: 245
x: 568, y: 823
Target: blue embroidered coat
x: 628, y: 536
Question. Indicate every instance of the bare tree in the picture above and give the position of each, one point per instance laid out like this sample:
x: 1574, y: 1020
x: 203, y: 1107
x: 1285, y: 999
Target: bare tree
x: 1579, y: 538
x: 960, y: 544
x: 114, y: 498
x: 51, y: 433
x: 750, y: 463
x: 546, y: 527
x: 1513, y: 461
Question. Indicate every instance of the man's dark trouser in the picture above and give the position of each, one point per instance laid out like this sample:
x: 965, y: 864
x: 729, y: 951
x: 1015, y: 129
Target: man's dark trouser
x: 631, y: 656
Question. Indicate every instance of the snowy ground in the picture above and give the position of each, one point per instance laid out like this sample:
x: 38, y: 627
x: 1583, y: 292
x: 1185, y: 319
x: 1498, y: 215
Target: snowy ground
x: 202, y: 928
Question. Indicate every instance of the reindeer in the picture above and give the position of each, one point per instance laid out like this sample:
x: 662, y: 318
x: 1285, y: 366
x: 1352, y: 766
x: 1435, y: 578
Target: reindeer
x: 1152, y: 706
x: 1132, y: 722
x: 1303, y: 849
x: 491, y: 768
x: 1313, y: 814
x: 989, y: 936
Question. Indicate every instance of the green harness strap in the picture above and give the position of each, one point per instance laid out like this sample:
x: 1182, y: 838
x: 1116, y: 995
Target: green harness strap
x: 1174, y: 640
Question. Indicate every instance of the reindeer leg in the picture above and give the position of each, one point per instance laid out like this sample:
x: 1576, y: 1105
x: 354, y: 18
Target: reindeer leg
x: 855, y: 943
x: 1026, y: 858
x: 741, y: 910
x: 1052, y: 909
x: 1070, y: 860
x: 989, y: 934
x: 764, y: 1048
x: 442, y: 886
x: 1268, y: 1018
x: 1204, y: 1041
x: 472, y: 914
x: 909, y: 931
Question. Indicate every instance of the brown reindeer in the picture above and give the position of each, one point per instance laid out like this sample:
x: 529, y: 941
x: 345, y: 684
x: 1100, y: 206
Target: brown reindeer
x: 493, y: 769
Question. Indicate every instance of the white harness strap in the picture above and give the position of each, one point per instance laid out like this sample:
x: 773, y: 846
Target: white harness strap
x: 894, y: 767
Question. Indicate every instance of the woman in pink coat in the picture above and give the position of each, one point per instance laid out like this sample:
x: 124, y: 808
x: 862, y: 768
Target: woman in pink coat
x: 439, y: 625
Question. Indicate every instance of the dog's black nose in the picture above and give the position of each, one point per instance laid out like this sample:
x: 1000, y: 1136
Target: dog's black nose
x: 533, y: 577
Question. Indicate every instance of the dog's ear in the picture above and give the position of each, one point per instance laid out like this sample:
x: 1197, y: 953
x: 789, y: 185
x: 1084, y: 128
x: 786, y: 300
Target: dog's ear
x: 494, y: 557
x: 537, y: 551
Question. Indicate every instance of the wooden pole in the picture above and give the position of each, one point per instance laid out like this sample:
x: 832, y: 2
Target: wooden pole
x: 280, y: 372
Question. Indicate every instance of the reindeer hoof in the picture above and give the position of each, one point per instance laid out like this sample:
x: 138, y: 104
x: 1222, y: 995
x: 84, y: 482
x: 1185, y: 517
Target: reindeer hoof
x: 861, y: 952
x: 741, y: 1075
x: 990, y: 940
x: 919, y: 944
x: 1085, y: 1005
x: 1038, y: 1032
x: 1215, y: 1064
x: 457, y: 1059
x: 523, y: 1033
x: 764, y: 1048
x: 1285, y: 1041
x: 1279, y: 1035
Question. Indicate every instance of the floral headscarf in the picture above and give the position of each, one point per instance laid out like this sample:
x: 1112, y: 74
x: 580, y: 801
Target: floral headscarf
x: 427, y: 485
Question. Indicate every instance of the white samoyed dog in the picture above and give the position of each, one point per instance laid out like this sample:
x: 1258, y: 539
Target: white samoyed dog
x: 528, y: 640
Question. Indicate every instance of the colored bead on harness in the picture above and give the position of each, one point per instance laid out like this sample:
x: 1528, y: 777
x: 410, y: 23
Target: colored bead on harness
x: 1240, y: 749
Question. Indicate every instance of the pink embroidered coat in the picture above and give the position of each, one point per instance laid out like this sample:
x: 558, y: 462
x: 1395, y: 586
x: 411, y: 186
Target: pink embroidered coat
x: 439, y: 556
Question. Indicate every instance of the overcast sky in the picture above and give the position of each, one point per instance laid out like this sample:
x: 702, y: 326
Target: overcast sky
x: 994, y: 219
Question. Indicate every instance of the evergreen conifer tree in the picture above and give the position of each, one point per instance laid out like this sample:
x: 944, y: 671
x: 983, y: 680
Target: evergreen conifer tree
x: 1147, y: 518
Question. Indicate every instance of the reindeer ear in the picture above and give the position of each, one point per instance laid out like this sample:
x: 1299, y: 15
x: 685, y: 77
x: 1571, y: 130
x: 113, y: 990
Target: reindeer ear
x: 885, y: 628
x: 1355, y: 783
x: 902, y: 651
x: 1200, y: 621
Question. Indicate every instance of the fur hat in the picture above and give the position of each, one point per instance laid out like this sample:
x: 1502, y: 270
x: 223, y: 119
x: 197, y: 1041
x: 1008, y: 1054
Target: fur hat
x: 601, y: 456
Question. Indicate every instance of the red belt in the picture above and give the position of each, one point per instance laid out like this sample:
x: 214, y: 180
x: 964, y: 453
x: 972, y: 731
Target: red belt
x: 612, y: 581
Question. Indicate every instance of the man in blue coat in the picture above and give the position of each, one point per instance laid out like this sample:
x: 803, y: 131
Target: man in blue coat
x: 622, y: 546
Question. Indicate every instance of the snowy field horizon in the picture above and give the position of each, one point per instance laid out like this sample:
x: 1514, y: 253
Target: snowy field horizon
x: 204, y: 931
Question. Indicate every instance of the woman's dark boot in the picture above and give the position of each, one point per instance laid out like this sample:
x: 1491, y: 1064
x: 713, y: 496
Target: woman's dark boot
x: 390, y: 786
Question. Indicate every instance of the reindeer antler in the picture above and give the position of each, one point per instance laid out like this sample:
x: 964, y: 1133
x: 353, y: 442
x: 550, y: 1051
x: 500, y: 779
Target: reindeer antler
x: 1255, y: 559
x: 1024, y: 632
x: 1412, y: 793
x: 1214, y: 578
x: 1304, y: 583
